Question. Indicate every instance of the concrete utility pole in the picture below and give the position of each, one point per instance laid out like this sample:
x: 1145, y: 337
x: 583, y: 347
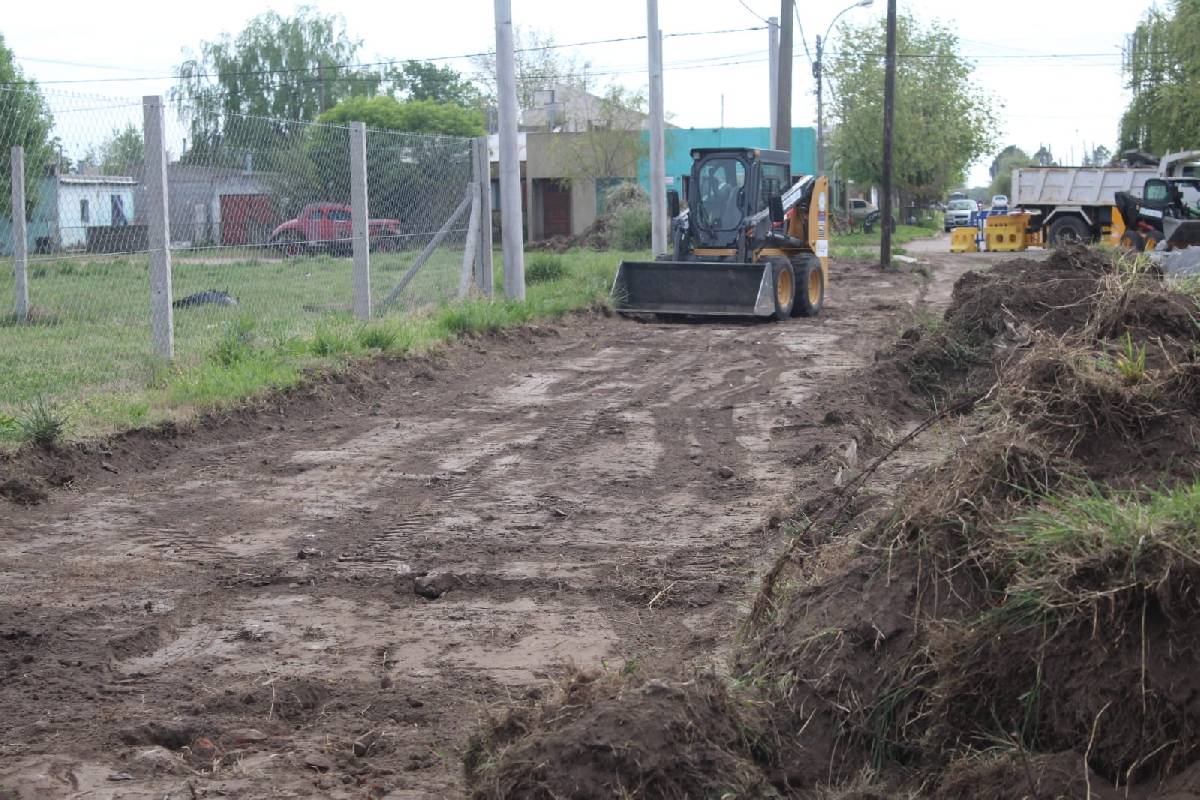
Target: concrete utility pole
x: 773, y: 68
x: 783, y: 97
x: 658, y: 157
x: 889, y: 112
x: 510, y: 164
x: 20, y: 243
x: 818, y: 76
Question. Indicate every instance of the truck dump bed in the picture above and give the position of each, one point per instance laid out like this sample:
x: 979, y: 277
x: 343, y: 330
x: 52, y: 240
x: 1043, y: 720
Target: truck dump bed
x: 1075, y: 186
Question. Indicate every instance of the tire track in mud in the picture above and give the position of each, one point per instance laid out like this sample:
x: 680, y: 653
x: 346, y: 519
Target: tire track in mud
x: 598, y: 495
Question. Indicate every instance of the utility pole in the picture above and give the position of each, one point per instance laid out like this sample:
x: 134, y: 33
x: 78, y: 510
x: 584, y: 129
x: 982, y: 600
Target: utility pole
x: 889, y: 112
x: 658, y: 156
x: 510, y: 164
x: 817, y: 71
x: 783, y: 98
x: 773, y: 69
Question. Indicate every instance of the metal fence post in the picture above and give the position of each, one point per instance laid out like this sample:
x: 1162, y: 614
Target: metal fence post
x: 483, y: 176
x: 19, y: 243
x: 359, y: 225
x: 162, y: 323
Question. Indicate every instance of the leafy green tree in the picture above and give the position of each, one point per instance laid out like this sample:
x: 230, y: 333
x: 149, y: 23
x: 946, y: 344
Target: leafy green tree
x: 410, y: 116
x: 123, y: 150
x: 424, y: 80
x: 1162, y: 71
x: 1044, y: 157
x: 25, y: 120
x: 611, y: 143
x: 943, y: 123
x: 1099, y: 157
x: 282, y: 68
x: 1002, y: 167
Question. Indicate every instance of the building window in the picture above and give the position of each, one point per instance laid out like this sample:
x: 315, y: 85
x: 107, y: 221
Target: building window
x: 84, y: 216
x: 118, y: 210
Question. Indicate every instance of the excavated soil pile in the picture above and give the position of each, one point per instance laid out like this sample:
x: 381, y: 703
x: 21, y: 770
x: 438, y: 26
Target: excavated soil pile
x: 1025, y: 622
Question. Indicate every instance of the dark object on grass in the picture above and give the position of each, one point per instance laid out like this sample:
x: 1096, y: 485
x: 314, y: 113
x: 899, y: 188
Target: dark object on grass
x: 208, y: 297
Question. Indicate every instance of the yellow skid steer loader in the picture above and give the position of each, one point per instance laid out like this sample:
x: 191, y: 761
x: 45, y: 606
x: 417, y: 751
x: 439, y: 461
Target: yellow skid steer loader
x: 752, y: 242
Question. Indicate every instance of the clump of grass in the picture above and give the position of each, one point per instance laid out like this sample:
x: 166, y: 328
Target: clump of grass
x: 42, y: 421
x: 1131, y: 362
x: 544, y: 267
x: 378, y: 337
x: 330, y: 341
x: 482, y: 317
x: 236, y: 343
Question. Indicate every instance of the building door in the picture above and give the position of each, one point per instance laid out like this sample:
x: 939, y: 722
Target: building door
x: 556, y: 209
x: 245, y: 219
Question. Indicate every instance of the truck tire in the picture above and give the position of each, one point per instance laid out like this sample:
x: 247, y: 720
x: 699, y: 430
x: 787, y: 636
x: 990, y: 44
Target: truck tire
x: 290, y: 245
x: 783, y: 280
x: 1069, y: 230
x: 810, y: 286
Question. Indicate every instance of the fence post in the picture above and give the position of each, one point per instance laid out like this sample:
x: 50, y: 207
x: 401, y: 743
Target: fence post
x: 162, y: 324
x: 483, y: 176
x: 19, y: 242
x: 359, y: 225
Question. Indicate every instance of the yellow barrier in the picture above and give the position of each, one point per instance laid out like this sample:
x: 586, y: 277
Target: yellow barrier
x: 962, y: 240
x: 1006, y: 234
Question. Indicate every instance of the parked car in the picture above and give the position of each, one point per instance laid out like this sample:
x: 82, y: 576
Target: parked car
x: 859, y: 211
x: 327, y: 227
x: 1000, y: 202
x: 959, y: 212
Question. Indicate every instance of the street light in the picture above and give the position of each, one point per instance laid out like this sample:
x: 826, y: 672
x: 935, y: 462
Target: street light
x: 817, y: 74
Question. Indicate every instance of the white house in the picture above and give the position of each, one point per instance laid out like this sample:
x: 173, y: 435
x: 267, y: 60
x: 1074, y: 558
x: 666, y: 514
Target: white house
x: 70, y: 204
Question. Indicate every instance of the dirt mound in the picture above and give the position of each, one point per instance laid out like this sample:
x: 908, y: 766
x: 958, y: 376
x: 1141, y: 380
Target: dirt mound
x: 603, y: 737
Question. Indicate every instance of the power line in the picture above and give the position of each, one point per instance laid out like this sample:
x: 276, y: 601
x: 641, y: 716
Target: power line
x: 753, y: 13
x: 377, y: 64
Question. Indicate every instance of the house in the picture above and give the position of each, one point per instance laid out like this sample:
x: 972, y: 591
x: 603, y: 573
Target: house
x: 220, y: 205
x: 681, y: 141
x: 71, y: 210
x: 573, y: 146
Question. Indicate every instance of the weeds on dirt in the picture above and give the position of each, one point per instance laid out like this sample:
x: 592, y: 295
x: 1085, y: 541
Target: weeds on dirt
x: 236, y: 343
x: 42, y: 422
x: 377, y: 336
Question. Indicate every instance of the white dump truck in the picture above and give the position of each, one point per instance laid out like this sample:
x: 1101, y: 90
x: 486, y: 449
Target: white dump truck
x: 1077, y: 203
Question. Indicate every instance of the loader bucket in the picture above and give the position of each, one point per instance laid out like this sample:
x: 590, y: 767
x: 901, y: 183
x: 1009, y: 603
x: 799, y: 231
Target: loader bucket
x: 1181, y: 233
x: 694, y: 288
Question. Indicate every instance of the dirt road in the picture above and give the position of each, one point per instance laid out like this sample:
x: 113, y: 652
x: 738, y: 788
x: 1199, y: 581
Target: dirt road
x: 233, y: 613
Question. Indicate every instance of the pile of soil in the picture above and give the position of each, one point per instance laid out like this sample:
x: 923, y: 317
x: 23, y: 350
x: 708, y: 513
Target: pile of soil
x: 603, y: 233
x: 994, y: 634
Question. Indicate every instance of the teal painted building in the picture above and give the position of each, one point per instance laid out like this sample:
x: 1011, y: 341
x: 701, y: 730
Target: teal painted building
x: 681, y: 141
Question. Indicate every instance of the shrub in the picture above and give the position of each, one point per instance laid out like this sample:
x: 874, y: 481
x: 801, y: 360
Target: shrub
x: 43, y: 422
x: 633, y: 228
x: 545, y: 267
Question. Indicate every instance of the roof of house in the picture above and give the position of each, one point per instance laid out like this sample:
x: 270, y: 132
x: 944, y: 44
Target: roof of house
x: 102, y: 180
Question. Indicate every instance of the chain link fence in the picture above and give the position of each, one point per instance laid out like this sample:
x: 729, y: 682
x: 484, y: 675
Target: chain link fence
x: 263, y: 229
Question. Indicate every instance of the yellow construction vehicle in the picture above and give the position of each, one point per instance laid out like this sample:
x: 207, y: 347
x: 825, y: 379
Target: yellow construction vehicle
x: 752, y: 242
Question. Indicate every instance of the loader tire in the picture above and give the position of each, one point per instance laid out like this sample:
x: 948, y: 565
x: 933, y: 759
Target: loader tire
x: 783, y: 280
x: 1133, y: 241
x: 810, y: 287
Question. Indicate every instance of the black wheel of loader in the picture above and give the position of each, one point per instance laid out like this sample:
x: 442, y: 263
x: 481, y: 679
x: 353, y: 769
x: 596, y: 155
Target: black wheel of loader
x: 783, y: 279
x: 810, y: 287
x: 1133, y: 241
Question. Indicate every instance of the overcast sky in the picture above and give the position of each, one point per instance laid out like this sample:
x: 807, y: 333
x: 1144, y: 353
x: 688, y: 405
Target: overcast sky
x: 1053, y: 67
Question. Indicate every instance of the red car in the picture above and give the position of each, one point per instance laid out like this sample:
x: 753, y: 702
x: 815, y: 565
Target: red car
x: 326, y: 226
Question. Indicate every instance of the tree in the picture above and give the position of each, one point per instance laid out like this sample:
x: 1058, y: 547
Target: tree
x: 612, y: 143
x: 119, y: 153
x: 942, y: 123
x: 1002, y: 167
x: 1162, y: 71
x: 540, y: 64
x: 424, y: 80
x: 1099, y: 157
x: 281, y: 68
x: 1044, y: 157
x: 410, y: 116
x: 25, y: 120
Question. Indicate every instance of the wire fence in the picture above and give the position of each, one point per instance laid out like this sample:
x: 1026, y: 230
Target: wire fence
x: 262, y: 232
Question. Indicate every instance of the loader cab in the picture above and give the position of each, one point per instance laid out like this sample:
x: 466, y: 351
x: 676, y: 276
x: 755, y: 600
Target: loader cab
x: 727, y: 186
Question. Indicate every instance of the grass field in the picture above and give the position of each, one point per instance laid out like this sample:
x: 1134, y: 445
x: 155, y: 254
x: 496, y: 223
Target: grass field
x: 87, y: 356
x: 865, y: 246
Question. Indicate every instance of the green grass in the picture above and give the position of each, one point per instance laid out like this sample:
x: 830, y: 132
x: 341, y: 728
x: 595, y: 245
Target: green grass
x: 865, y: 246
x: 88, y: 350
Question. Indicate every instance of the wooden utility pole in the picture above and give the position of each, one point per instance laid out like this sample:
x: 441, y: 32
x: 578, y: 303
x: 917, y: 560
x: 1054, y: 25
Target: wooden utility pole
x: 889, y: 113
x: 658, y: 159
x: 783, y: 99
x: 510, y: 164
x: 773, y: 72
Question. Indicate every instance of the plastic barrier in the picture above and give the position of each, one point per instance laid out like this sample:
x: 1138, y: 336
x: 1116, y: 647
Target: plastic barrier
x: 962, y: 240
x: 1006, y: 234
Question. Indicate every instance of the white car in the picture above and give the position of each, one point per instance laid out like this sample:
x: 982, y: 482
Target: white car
x: 999, y: 201
x: 958, y: 213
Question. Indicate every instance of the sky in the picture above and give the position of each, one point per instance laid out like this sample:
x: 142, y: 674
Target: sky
x: 1052, y: 67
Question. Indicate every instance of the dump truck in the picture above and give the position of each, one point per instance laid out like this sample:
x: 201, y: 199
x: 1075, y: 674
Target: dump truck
x: 1077, y: 204
x: 753, y: 242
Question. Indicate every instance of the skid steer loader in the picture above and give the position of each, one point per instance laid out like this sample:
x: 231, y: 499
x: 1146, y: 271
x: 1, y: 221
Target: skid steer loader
x: 752, y: 242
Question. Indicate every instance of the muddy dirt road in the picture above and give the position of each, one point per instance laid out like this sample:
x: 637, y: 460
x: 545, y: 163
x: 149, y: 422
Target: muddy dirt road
x: 234, y: 612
